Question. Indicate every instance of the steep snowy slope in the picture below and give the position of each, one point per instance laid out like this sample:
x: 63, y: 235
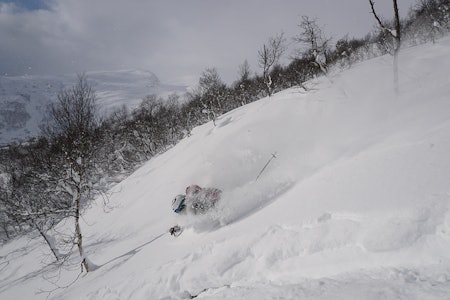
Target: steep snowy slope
x: 24, y: 99
x: 354, y: 206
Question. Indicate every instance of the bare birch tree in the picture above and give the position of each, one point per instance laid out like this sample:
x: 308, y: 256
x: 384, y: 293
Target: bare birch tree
x: 315, y: 43
x: 268, y: 56
x: 395, y: 33
x: 73, y: 122
x: 212, y: 92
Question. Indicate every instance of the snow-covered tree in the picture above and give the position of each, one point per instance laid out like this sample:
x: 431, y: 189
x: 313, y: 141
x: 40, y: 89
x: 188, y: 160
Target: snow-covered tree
x: 72, y: 129
x: 243, y: 86
x: 314, y: 43
x: 212, y: 93
x: 394, y: 32
x: 28, y: 200
x: 429, y: 20
x: 268, y: 56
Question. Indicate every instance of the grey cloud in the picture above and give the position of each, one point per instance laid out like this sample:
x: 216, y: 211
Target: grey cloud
x: 174, y: 39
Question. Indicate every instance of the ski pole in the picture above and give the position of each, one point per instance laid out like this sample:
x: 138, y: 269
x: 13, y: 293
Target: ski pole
x: 274, y: 155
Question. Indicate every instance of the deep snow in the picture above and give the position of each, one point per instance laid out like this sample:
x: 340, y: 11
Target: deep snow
x: 354, y: 206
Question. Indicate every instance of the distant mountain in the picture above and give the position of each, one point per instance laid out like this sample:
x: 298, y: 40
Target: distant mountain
x: 24, y: 99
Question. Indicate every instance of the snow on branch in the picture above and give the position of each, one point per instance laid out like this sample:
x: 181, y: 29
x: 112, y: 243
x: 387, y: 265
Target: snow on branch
x: 393, y: 33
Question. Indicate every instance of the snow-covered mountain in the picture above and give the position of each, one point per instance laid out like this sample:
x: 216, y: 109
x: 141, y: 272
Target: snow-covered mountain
x: 354, y: 206
x: 24, y: 99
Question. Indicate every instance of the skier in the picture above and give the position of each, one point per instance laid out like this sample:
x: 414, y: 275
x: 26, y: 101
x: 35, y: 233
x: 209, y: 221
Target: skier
x: 197, y: 200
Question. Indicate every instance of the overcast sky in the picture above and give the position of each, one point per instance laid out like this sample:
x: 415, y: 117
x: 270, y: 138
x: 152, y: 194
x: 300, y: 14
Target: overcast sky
x: 175, y: 39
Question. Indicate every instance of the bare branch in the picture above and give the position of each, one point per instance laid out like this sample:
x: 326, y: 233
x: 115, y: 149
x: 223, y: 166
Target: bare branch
x: 394, y: 33
x: 377, y: 18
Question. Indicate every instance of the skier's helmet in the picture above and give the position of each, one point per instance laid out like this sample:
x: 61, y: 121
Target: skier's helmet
x: 178, y: 203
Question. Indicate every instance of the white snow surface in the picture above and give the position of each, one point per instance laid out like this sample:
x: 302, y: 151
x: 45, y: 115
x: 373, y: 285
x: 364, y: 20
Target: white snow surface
x: 354, y: 206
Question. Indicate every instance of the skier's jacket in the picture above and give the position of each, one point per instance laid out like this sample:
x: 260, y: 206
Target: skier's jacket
x: 197, y: 199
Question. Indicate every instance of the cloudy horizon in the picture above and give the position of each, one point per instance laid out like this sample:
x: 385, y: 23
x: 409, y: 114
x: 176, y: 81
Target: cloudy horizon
x: 176, y: 40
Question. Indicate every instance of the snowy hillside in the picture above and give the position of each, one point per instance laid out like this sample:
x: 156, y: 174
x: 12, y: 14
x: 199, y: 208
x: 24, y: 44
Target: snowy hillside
x: 24, y: 99
x: 354, y: 206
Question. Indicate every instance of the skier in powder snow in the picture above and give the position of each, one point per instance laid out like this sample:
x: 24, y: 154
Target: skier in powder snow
x: 197, y: 200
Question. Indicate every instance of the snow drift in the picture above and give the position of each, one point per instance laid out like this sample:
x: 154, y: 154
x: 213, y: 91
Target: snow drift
x: 355, y: 204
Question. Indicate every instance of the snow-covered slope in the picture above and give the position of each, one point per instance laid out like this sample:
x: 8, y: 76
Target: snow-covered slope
x: 24, y: 99
x: 354, y: 206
